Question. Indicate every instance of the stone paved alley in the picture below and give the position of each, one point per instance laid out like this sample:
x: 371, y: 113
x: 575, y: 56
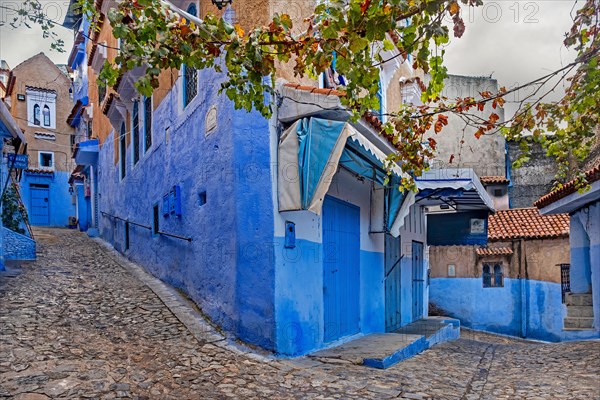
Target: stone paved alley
x: 78, y: 324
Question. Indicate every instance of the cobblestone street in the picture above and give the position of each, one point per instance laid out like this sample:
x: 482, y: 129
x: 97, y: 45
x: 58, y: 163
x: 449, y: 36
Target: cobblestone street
x: 77, y: 323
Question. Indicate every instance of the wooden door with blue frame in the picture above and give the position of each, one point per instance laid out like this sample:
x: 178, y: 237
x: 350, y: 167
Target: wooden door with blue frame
x: 39, y: 198
x: 418, y: 281
x: 341, y: 269
x: 393, y: 278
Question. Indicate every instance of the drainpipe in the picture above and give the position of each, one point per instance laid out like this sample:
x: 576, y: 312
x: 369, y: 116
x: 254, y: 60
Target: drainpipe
x: 523, y: 279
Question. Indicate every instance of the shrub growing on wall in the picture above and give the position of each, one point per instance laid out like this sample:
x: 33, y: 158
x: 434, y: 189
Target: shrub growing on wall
x: 12, y: 211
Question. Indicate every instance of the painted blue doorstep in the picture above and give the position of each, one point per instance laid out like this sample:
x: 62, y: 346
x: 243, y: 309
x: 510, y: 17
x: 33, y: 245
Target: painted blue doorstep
x: 383, y: 350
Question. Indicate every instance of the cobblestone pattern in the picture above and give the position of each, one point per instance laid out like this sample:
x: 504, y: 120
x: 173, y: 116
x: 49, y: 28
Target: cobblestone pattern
x: 17, y: 246
x: 80, y: 322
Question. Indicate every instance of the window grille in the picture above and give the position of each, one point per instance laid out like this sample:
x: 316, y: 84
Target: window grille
x: 46, y: 114
x: 155, y: 220
x: 123, y: 152
x: 36, y: 114
x: 136, y: 132
x: 487, y: 276
x: 498, y: 276
x: 565, y: 279
x: 190, y: 84
x: 147, y: 123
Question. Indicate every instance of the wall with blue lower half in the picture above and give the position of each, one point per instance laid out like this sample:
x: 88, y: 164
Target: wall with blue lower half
x: 226, y: 208
x: 524, y: 308
x: 60, y: 204
x: 17, y: 246
x: 585, y: 254
x: 301, y: 270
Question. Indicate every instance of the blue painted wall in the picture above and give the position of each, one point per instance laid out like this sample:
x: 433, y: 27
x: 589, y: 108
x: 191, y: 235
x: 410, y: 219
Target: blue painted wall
x: 60, y: 202
x: 585, y: 254
x: 17, y: 246
x: 455, y: 229
x: 501, y: 310
x: 227, y: 269
x: 83, y: 212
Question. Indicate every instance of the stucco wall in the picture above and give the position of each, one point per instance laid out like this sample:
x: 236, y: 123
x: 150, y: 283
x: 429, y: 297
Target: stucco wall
x: 299, y: 272
x: 38, y: 71
x: 533, y: 179
x: 61, y: 204
x: 526, y: 308
x: 585, y: 255
x: 17, y: 246
x: 485, y: 155
x: 227, y: 268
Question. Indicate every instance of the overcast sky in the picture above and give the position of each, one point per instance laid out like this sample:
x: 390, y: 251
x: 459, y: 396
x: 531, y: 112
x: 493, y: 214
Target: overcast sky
x: 514, y: 41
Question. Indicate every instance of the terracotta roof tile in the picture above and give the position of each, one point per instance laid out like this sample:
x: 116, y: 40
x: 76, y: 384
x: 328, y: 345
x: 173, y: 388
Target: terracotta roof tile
x: 494, y: 180
x: 39, y: 171
x: 526, y: 223
x: 568, y: 188
x: 494, y: 251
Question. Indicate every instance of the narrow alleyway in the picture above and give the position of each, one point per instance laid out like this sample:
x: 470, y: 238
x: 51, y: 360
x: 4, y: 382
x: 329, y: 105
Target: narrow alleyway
x: 77, y: 324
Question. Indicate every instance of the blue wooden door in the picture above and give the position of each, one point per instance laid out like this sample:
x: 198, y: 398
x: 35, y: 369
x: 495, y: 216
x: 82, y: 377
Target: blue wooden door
x: 341, y: 263
x: 393, y: 256
x: 418, y: 282
x: 39, y: 199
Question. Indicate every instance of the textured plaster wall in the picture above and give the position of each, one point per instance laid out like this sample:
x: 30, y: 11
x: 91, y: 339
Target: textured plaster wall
x: 227, y: 269
x: 17, y: 246
x: 299, y: 271
x: 525, y: 308
x: 533, y: 179
x: 534, y: 259
x: 61, y: 204
x: 38, y: 71
x: 485, y: 155
x: 585, y: 255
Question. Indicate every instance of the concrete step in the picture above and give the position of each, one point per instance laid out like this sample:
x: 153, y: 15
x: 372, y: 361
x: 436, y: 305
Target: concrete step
x: 580, y: 311
x: 579, y: 323
x: 578, y: 299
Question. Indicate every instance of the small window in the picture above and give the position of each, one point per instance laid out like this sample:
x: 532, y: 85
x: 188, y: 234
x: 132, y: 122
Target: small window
x: 36, y: 114
x: 498, y: 276
x: 487, y: 276
x: 190, y: 84
x: 192, y: 10
x: 498, y: 192
x: 155, y: 220
x: 123, y: 151
x: 89, y: 129
x: 136, y: 132
x: 46, y: 114
x: 493, y: 275
x: 147, y: 123
x: 46, y: 160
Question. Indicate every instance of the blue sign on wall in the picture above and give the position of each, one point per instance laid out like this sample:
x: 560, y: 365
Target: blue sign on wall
x: 18, y: 161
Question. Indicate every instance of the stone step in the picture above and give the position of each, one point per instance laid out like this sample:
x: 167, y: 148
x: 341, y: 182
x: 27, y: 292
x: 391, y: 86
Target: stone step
x: 578, y: 299
x: 580, y: 311
x: 579, y: 323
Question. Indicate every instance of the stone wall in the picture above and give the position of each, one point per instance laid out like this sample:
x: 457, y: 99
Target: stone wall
x: 17, y: 246
x: 533, y: 179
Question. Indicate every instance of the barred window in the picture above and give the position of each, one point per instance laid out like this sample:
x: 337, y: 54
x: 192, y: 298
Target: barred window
x: 147, y: 123
x: 487, y: 276
x: 493, y: 275
x: 190, y: 84
x: 136, y: 132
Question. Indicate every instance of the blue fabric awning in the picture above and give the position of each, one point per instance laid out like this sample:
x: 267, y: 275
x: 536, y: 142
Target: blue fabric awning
x: 310, y: 152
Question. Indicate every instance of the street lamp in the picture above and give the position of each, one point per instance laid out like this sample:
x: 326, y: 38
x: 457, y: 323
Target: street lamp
x: 221, y: 3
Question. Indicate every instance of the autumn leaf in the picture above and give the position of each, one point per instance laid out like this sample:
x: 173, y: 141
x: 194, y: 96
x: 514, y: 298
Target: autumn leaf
x: 451, y: 159
x: 438, y: 127
x: 479, y: 133
x: 364, y: 6
x: 494, y: 118
x: 239, y: 30
x: 453, y: 8
x: 432, y: 143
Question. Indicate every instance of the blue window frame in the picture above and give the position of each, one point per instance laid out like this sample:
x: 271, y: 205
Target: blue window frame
x: 487, y: 276
x: 192, y: 10
x: 123, y: 151
x: 147, y: 123
x: 498, y: 275
x: 36, y: 114
x: 136, y: 132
